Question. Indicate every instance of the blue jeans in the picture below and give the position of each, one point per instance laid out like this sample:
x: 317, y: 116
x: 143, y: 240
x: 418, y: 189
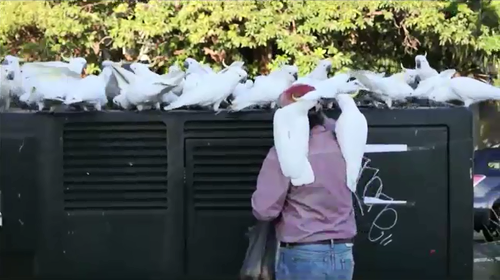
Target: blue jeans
x: 315, y: 262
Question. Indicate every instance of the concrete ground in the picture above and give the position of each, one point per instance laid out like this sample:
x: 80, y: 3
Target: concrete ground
x: 486, y: 259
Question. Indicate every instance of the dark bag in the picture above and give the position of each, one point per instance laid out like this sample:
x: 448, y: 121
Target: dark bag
x: 261, y: 253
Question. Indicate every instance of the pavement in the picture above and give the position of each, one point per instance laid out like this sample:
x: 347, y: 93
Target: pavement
x: 486, y: 259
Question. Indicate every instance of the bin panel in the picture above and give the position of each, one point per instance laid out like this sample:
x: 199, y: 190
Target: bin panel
x: 190, y: 221
x: 19, y: 206
x: 221, y: 213
x: 116, y: 210
x: 220, y: 179
x: 19, y: 192
x: 386, y: 233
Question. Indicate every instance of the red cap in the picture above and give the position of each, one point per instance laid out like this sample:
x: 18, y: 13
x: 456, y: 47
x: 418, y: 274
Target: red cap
x: 294, y: 92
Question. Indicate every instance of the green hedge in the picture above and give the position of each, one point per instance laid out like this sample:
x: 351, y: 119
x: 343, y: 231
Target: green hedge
x: 374, y: 35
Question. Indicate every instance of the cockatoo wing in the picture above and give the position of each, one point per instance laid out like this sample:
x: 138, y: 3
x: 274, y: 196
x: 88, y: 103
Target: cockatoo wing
x: 192, y: 81
x: 172, y: 79
x: 365, y: 78
x: 52, y: 71
x: 291, y: 141
x: 306, y: 81
x: 240, y: 89
x: 255, y: 95
x: 442, y: 93
x: 123, y: 77
x: 208, y: 69
x: 427, y: 87
x: 282, y: 141
x: 448, y: 73
x: 258, y: 78
x: 169, y: 82
x: 351, y: 130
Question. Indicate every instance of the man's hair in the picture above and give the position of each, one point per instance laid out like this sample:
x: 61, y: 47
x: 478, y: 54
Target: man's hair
x: 315, y: 118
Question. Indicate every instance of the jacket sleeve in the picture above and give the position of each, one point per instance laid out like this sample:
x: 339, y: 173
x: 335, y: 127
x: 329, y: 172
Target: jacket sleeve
x: 271, y: 191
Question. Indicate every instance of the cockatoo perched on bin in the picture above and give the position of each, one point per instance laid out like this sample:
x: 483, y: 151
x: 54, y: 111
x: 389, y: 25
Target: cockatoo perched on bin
x: 424, y: 70
x: 318, y: 74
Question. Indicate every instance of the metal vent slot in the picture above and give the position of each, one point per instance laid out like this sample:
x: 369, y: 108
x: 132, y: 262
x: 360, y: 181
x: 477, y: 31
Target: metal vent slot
x: 229, y: 128
x: 115, y: 166
x: 225, y: 173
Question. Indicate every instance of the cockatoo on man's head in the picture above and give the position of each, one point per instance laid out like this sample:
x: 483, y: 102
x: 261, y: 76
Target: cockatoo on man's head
x: 291, y: 134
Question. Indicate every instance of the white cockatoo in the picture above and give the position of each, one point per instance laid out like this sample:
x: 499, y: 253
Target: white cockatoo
x: 167, y: 95
x: 91, y: 90
x: 424, y: 70
x: 428, y: 85
x: 48, y: 83
x: 6, y: 79
x: 242, y: 88
x: 237, y: 64
x: 407, y: 74
x: 14, y: 85
x: 175, y: 70
x: 195, y: 74
x: 142, y: 70
x: 330, y: 88
x: 210, y: 91
x: 319, y: 73
x: 317, y: 76
x: 267, y: 89
x: 141, y: 91
x: 194, y: 66
x: 351, y: 130
x: 121, y: 101
x: 388, y: 89
x: 465, y: 89
x: 291, y: 136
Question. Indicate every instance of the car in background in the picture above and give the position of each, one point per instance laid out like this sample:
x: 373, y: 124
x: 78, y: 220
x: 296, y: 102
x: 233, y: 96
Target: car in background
x: 486, y: 184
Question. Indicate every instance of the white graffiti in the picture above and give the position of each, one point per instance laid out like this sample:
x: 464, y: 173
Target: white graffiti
x: 379, y: 231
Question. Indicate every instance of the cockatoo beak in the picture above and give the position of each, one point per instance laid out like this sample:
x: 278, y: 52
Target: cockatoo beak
x: 353, y: 95
x: 295, y: 99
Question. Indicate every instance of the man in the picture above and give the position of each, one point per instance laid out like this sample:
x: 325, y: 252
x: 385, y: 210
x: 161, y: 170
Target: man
x: 315, y: 223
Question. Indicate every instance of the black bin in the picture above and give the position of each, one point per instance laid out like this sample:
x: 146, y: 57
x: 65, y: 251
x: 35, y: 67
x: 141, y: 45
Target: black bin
x: 155, y: 195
